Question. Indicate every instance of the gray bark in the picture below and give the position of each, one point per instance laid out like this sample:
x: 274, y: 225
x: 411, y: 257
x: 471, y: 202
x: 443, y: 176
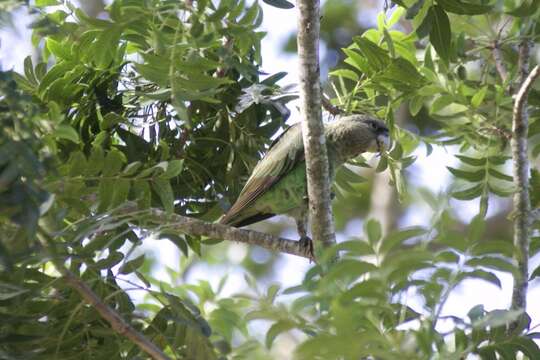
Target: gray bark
x: 318, y: 177
x: 520, y: 170
x: 197, y: 227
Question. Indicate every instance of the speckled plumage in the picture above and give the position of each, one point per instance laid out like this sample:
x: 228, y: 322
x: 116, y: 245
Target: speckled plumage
x: 277, y: 184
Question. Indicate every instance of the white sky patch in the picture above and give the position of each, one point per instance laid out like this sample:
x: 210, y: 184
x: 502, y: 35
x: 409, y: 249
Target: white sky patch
x: 15, y: 42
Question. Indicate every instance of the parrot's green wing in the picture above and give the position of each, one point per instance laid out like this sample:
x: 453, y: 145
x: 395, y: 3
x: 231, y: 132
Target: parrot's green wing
x: 282, y: 157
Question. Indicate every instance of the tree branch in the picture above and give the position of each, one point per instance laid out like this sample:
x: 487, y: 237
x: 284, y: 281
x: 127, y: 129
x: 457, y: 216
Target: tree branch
x: 112, y: 317
x: 198, y: 227
x: 318, y: 175
x: 327, y: 105
x: 499, y: 64
x: 521, y: 200
x: 117, y: 322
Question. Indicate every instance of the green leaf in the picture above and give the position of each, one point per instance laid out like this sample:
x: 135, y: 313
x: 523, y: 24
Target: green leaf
x: 64, y: 131
x: 416, y: 104
x: 403, y: 75
x: 114, y: 161
x: 440, y: 33
x: 398, y: 237
x: 472, y: 176
x: 526, y: 8
x: 356, y: 60
x: 526, y: 346
x: 535, y: 273
x: 347, y: 270
x: 106, y: 191
x: 497, y: 318
x: 440, y: 103
x: 110, y: 120
x: 478, y: 98
x: 371, y: 289
x: 114, y: 258
x: 498, y: 160
x: 481, y: 274
x: 131, y: 168
x: 59, y: 50
x: 179, y: 241
x: 447, y: 256
x: 121, y: 191
x: 8, y: 291
x: 499, y: 175
x: 389, y: 42
x: 414, y: 9
x: 174, y: 168
x: 464, y: 8
x: 345, y: 73
x: 355, y: 247
x: 422, y: 30
x: 132, y: 265
x: 29, y: 71
x: 500, y: 192
x: 373, y: 230
x: 143, y: 193
x: 472, y: 161
x: 476, y: 229
x: 376, y: 57
x: 250, y: 15
x: 396, y: 16
x: 491, y: 262
x: 164, y: 190
x: 499, y: 247
x: 23, y: 83
x: 44, y: 3
x: 476, y: 312
x: 276, y: 329
x: 77, y: 164
x: 105, y: 46
x: 281, y: 4
x: 96, y: 161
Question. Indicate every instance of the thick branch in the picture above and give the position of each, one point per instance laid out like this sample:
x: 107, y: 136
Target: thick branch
x: 117, y: 322
x: 197, y: 227
x: 521, y: 200
x: 318, y: 175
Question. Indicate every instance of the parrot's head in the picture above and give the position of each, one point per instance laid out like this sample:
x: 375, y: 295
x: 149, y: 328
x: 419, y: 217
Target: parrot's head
x: 380, y: 133
x: 355, y: 134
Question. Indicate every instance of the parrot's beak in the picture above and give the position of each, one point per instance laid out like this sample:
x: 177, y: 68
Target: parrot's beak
x: 383, y: 141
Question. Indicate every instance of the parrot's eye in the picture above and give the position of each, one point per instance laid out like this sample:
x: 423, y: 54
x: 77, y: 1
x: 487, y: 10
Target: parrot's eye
x: 373, y: 126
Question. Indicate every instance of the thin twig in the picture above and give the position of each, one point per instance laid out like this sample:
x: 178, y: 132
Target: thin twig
x: 317, y: 169
x: 117, y: 322
x: 497, y: 55
x: 198, y: 227
x: 499, y: 63
x: 521, y: 200
x: 332, y: 109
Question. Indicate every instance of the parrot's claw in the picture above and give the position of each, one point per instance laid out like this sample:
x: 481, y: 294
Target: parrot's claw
x: 307, y: 244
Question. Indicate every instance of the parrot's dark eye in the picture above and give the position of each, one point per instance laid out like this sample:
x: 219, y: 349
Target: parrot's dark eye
x: 373, y: 126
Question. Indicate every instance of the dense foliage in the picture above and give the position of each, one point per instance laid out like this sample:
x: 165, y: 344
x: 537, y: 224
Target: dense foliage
x: 163, y: 104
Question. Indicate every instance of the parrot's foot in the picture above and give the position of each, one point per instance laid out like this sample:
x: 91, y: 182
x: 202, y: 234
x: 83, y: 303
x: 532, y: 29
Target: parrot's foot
x: 307, y: 244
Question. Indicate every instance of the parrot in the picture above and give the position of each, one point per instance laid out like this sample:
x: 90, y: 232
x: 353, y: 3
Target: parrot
x: 278, y: 185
